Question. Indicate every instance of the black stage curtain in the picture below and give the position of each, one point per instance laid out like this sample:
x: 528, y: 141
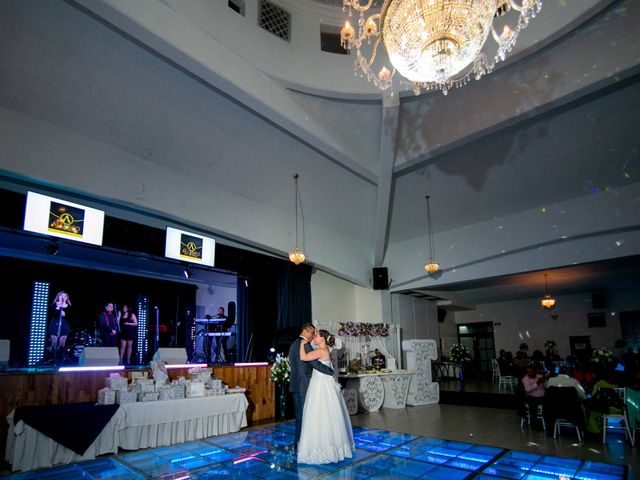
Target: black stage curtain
x: 294, y: 295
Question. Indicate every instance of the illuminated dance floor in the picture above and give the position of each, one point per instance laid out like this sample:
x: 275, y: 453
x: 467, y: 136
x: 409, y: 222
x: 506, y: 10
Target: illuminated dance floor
x: 265, y: 453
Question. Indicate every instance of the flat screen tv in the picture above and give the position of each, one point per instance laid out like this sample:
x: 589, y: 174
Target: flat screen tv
x: 60, y: 218
x: 190, y: 247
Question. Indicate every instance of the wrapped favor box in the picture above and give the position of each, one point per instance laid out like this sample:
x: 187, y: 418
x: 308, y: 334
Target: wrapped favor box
x: 145, y: 386
x: 106, y: 396
x: 179, y: 390
x: 136, y: 375
x: 194, y: 389
x: 200, y: 376
x: 116, y: 383
x: 148, y: 397
x: 166, y: 393
x: 123, y: 396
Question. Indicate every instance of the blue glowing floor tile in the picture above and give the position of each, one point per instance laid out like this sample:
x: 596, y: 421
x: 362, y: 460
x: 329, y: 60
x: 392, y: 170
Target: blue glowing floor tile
x: 389, y: 466
x: 70, y: 472
x: 464, y: 464
x: 446, y: 473
x: 599, y: 467
x: 522, y: 456
x: 563, y: 462
x: 505, y: 471
x: 108, y: 468
x: 380, y: 440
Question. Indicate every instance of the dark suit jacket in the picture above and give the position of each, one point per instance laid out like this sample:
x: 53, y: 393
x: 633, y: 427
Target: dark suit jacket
x: 301, y: 370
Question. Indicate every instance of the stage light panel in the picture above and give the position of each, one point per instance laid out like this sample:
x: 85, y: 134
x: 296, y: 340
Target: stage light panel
x: 38, y: 330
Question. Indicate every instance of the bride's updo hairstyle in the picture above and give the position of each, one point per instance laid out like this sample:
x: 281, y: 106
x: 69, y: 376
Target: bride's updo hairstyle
x: 329, y: 338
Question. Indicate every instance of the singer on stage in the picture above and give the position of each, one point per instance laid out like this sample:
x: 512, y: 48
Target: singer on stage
x: 108, y: 326
x: 128, y: 324
x: 58, y: 326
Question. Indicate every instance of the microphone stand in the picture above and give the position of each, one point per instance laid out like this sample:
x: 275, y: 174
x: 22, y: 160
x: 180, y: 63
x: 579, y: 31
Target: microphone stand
x: 56, y: 348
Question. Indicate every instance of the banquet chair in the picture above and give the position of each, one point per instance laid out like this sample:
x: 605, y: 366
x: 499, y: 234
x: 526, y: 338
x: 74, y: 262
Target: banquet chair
x: 495, y: 370
x: 620, y: 420
x: 527, y: 416
x: 562, y: 409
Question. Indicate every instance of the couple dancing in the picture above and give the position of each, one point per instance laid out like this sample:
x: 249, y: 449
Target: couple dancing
x: 323, y: 428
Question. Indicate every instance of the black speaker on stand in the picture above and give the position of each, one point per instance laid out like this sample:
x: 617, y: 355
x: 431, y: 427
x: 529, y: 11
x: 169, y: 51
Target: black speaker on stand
x: 380, y: 278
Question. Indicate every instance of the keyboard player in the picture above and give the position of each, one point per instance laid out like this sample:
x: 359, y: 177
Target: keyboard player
x: 223, y: 351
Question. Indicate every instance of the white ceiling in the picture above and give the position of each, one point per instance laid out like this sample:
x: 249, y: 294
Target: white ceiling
x: 546, y: 129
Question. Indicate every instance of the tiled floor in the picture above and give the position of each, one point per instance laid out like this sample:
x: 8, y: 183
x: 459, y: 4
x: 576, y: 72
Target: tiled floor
x: 434, y: 441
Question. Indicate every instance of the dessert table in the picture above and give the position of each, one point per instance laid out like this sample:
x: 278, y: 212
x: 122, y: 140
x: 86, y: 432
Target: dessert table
x: 375, y: 390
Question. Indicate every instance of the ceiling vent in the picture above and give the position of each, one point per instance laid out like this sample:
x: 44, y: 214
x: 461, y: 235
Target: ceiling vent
x: 274, y: 20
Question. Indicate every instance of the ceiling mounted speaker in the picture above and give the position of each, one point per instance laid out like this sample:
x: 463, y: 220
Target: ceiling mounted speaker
x: 380, y: 278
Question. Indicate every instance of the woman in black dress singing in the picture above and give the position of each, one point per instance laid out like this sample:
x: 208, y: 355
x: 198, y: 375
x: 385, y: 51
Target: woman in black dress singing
x: 58, y: 325
x: 128, y: 324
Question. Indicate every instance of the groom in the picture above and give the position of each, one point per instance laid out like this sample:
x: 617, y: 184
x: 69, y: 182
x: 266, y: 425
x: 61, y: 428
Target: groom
x: 301, y: 373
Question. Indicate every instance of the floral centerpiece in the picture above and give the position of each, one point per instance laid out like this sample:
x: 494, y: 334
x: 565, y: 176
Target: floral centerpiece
x: 458, y: 353
x: 280, y: 375
x: 355, y: 329
x: 280, y: 370
x: 602, y: 355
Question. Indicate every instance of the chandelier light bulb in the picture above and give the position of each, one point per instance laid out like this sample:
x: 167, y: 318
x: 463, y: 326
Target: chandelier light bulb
x: 297, y: 256
x: 547, y: 301
x: 432, y: 267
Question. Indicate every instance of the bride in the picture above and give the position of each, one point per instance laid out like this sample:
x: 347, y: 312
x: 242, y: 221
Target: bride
x: 326, y: 435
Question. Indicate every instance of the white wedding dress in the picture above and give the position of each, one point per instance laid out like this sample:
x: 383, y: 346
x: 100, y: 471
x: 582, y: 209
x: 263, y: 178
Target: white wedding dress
x: 326, y: 435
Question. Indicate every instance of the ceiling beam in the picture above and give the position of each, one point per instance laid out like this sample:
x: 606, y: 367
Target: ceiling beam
x: 388, y: 137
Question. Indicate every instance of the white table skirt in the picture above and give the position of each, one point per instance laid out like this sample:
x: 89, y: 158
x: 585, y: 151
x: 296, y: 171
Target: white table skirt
x: 133, y: 426
x: 28, y: 449
x: 166, y: 422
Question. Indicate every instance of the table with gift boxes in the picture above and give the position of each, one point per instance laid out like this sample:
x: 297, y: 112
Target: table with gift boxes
x: 152, y: 412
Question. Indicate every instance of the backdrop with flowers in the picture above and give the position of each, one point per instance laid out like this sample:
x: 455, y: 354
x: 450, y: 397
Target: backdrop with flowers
x: 361, y: 338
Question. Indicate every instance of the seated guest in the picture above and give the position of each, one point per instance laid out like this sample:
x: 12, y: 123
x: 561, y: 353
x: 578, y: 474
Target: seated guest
x: 505, y: 363
x: 534, y: 386
x: 564, y: 380
x: 523, y: 350
x: 537, y: 358
x: 605, y: 401
x: 521, y: 363
x: 378, y: 360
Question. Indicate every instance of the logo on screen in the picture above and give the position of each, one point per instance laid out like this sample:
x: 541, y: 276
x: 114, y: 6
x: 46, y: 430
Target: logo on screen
x: 190, y: 247
x: 66, y: 219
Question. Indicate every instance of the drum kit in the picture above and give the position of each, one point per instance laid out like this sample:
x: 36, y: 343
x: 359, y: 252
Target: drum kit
x: 76, y: 343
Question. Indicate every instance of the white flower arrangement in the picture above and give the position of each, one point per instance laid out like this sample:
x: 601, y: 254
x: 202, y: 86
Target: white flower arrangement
x: 458, y: 353
x: 601, y: 355
x: 280, y: 370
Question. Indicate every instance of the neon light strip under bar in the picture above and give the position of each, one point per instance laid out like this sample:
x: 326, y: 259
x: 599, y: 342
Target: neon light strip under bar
x: 251, y: 364
x: 187, y: 365
x: 91, y: 369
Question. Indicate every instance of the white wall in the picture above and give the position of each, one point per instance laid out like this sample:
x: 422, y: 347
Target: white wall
x: 332, y: 299
x: 210, y: 297
x: 418, y: 318
x: 525, y: 321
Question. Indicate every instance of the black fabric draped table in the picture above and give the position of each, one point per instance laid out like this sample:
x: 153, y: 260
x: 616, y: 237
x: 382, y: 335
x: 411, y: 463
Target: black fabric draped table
x: 75, y: 426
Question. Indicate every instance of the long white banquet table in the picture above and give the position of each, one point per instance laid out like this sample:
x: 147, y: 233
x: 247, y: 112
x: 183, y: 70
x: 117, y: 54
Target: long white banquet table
x: 133, y: 426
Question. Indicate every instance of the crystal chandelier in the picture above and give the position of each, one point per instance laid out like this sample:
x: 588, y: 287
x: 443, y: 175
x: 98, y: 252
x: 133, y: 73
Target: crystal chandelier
x: 433, y: 44
x: 297, y: 256
x: 431, y: 266
x: 547, y: 301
